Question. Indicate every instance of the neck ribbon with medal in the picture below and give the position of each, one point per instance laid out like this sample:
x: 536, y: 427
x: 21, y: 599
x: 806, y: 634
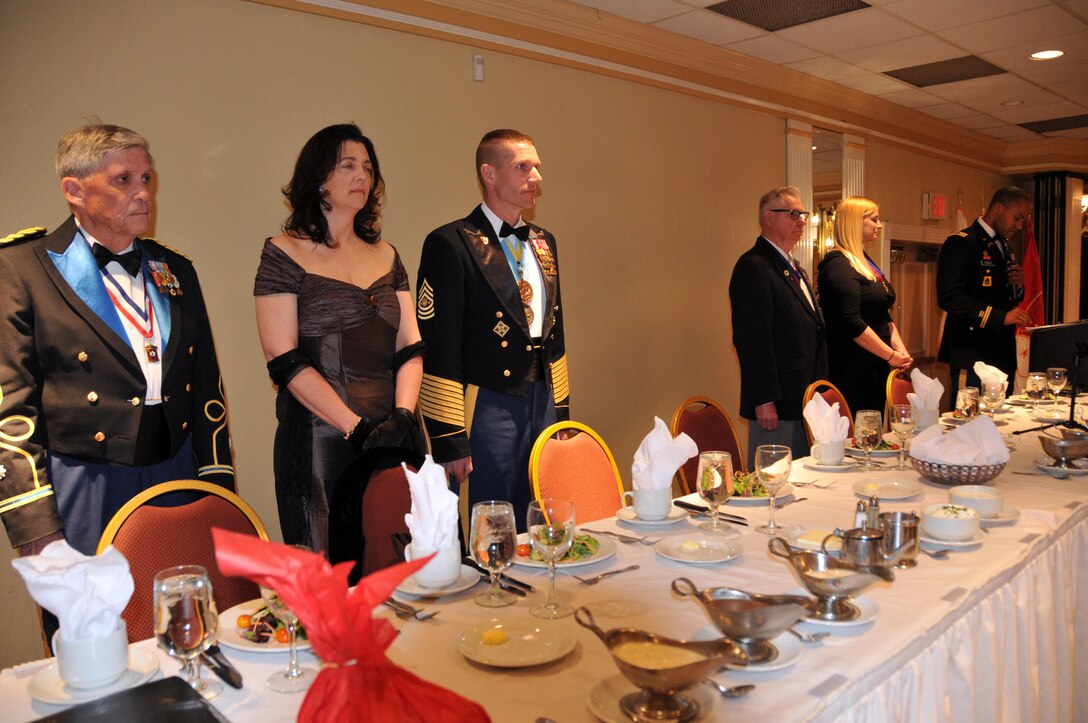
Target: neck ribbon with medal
x: 515, y: 250
x: 142, y: 319
x: 879, y: 273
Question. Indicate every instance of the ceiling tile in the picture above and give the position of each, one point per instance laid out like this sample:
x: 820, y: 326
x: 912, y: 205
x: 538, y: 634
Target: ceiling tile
x: 952, y: 13
x: 827, y: 68
x: 844, y: 32
x: 710, y: 27
x: 1012, y: 30
x: 1011, y: 133
x: 1027, y: 113
x: 873, y: 83
x: 773, y: 49
x: 947, y: 111
x: 1071, y: 133
x: 993, y: 88
x: 901, y: 53
x: 1071, y: 65
x: 644, y: 11
x: 1076, y: 91
x: 975, y: 122
x: 912, y: 98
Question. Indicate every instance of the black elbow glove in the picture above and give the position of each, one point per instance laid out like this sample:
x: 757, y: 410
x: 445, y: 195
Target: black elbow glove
x: 392, y: 431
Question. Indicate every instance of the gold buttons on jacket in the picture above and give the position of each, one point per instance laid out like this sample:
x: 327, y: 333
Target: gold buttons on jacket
x: 188, y: 387
x: 190, y: 351
x: 82, y: 356
x: 528, y: 347
x: 184, y: 425
x: 504, y: 343
x: 506, y: 372
x: 135, y: 401
x: 99, y: 437
x: 92, y: 397
x: 498, y: 314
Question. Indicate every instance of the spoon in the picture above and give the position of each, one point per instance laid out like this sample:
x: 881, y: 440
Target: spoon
x: 736, y: 691
x: 809, y: 637
x: 936, y: 554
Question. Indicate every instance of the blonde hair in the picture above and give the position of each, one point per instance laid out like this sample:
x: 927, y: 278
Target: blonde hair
x: 848, y: 218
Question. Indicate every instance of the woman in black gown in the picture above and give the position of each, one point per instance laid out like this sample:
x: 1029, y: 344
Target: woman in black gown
x: 338, y: 329
x: 863, y: 344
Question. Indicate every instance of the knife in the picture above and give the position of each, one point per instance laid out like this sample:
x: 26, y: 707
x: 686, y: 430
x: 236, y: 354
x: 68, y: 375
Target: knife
x: 503, y: 578
x: 503, y: 585
x: 215, y: 660
x: 735, y: 519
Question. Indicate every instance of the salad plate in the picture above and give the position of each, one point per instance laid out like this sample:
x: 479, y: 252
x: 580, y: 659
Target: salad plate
x: 847, y: 464
x: 783, y: 493
x: 888, y: 489
x: 627, y: 516
x: 699, y: 550
x: 230, y: 637
x: 952, y: 544
x: 787, y: 645
x: 606, y: 548
x: 527, y: 642
x: 468, y: 577
x: 1050, y: 415
x: 859, y: 452
x: 46, y: 685
x: 1006, y: 516
x: 604, y: 700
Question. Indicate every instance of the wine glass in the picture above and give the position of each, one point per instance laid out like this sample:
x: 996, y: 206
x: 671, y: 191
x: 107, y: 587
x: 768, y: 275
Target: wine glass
x: 715, y: 486
x: 494, y: 545
x: 773, y: 469
x: 551, y: 530
x: 967, y: 402
x: 295, y: 678
x: 992, y: 397
x: 186, y: 621
x: 1034, y: 388
x: 903, y: 424
x: 867, y: 425
x: 1055, y: 379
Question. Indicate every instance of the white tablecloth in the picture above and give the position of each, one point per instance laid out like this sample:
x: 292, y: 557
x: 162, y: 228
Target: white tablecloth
x: 990, y: 634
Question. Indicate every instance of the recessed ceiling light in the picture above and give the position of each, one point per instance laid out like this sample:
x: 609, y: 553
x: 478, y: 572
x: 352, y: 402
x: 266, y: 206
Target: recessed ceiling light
x: 1047, y: 54
x: 1012, y: 103
x: 814, y: 148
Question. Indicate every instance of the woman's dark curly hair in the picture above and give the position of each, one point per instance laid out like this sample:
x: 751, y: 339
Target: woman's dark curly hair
x: 315, y: 162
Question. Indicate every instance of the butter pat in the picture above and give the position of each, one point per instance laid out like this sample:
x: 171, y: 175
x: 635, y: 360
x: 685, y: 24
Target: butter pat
x: 690, y: 546
x: 811, y: 540
x: 495, y: 637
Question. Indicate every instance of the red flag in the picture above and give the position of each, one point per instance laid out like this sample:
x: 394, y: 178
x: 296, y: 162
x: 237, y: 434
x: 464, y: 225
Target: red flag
x: 1033, y: 278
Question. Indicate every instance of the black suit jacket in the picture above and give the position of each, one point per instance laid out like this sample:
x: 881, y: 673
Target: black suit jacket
x: 779, y: 336
x: 70, y: 382
x: 473, y: 322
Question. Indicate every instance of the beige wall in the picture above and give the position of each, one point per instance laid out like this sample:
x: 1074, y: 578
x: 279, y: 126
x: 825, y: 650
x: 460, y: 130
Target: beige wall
x: 651, y: 193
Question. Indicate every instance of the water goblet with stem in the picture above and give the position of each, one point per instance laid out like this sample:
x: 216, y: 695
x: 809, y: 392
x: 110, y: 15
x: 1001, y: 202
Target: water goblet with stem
x: 715, y: 486
x: 186, y: 621
x: 867, y: 426
x: 295, y: 678
x: 1055, y: 380
x: 772, y: 463
x: 494, y: 544
x: 1034, y: 387
x: 967, y: 402
x: 903, y: 424
x: 992, y: 396
x: 550, y: 523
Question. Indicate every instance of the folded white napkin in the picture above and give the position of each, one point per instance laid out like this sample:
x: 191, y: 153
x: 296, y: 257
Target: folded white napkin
x: 825, y: 421
x: 927, y: 392
x: 987, y: 373
x: 977, y: 442
x: 86, y: 593
x: 659, y: 456
x: 433, y: 519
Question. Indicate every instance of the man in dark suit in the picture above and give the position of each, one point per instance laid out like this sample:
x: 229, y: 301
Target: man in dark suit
x: 980, y: 284
x: 778, y: 330
x: 109, y: 382
x: 490, y: 312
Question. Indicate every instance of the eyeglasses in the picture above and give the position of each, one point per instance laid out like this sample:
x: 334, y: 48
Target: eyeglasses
x: 795, y: 215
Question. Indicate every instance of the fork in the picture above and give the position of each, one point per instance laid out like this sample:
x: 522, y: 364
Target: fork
x: 815, y: 484
x: 596, y: 579
x: 625, y: 539
x: 780, y: 505
x: 404, y: 611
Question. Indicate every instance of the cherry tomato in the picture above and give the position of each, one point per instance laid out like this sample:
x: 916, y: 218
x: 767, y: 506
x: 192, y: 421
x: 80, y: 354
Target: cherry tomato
x: 524, y: 550
x: 281, y: 635
x: 244, y: 621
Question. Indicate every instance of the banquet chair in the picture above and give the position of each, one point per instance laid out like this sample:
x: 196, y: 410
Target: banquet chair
x: 154, y: 538
x: 579, y: 468
x: 831, y: 394
x: 899, y: 385
x: 710, y: 427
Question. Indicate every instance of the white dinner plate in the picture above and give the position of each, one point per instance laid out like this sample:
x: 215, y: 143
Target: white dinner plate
x: 1007, y: 516
x: 858, y: 452
x: 950, y: 418
x: 229, y: 636
x: 793, y: 534
x: 847, y: 464
x: 787, y: 490
x: 1051, y: 415
x: 627, y: 516
x: 469, y: 576
x: 1046, y: 465
x: 888, y: 489
x: 952, y: 544
x: 699, y: 549
x: 47, y: 687
x: 865, y: 605
x: 787, y: 644
x: 529, y: 642
x: 604, y: 700
x: 605, y: 550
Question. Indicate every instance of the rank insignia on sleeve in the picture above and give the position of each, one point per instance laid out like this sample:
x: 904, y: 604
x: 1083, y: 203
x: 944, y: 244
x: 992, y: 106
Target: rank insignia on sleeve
x: 425, y: 301
x: 164, y: 280
x: 543, y: 254
x: 500, y: 329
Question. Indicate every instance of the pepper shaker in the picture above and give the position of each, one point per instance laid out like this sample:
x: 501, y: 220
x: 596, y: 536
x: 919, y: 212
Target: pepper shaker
x: 861, y: 516
x: 872, y: 514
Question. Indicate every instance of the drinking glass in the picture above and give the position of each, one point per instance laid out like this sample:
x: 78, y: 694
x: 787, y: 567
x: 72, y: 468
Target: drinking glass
x: 773, y: 469
x: 1034, y: 387
x: 551, y: 530
x: 295, y: 678
x: 494, y: 544
x: 967, y: 402
x: 903, y: 424
x: 1055, y: 379
x: 992, y: 397
x: 715, y: 486
x: 867, y: 425
x: 186, y: 621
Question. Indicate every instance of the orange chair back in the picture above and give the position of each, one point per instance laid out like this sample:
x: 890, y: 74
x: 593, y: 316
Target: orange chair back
x: 899, y: 384
x: 385, y: 502
x: 710, y: 427
x: 831, y: 395
x: 155, y: 538
x: 579, y: 468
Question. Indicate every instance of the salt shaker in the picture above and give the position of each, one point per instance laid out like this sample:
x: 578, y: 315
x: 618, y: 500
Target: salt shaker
x: 861, y: 516
x: 872, y: 514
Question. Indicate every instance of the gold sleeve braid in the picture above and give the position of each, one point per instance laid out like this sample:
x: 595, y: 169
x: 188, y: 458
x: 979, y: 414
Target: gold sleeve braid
x: 560, y: 383
x: 443, y: 400
x: 216, y: 411
x: 8, y: 441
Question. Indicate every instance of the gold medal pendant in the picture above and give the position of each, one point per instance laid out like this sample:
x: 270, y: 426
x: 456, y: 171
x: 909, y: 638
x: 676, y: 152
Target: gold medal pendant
x: 528, y: 315
x: 526, y: 291
x: 152, y: 352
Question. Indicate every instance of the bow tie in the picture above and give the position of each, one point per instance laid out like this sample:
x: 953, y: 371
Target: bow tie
x: 129, y: 260
x: 522, y: 232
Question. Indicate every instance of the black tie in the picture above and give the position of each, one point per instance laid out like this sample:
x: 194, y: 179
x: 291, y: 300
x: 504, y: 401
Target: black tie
x: 522, y: 232
x: 129, y: 260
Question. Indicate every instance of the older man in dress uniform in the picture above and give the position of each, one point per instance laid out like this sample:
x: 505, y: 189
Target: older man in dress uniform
x: 980, y: 284
x: 490, y: 312
x: 109, y: 382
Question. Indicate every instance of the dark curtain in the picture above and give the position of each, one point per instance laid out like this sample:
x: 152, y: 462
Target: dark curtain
x: 1049, y: 215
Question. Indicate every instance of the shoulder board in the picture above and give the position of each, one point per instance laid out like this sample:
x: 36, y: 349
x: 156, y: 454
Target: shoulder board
x: 155, y: 241
x: 961, y: 233
x: 27, y: 234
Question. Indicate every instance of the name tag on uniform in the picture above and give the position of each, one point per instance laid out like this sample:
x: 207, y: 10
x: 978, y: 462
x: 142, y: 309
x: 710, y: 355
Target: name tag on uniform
x: 987, y: 261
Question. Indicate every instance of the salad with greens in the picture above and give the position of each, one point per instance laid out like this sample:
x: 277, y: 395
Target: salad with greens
x: 747, y: 484
x: 582, y: 547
